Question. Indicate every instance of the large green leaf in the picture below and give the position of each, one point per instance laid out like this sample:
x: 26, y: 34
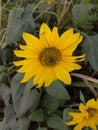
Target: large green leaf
x: 9, y: 122
x: 23, y: 100
x: 51, y: 102
x: 56, y: 122
x: 5, y: 93
x: 20, y: 20
x: 24, y: 123
x: 37, y: 115
x: 66, y: 116
x: 57, y: 90
x: 90, y: 46
x: 81, y: 15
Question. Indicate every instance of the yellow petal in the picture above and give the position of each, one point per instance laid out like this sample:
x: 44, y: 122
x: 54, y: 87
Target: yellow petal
x: 47, y: 77
x: 31, y: 40
x: 62, y: 74
x: 22, y: 62
x: 67, y: 34
x: 70, y: 66
x: 25, y: 54
x: 39, y: 72
x: 30, y: 72
x: 92, y: 103
x: 73, y: 58
x: 64, y: 43
x: 29, y: 64
x: 54, y: 37
x: 82, y: 108
x: 79, y: 126
x: 30, y: 51
x: 70, y: 49
x: 44, y: 34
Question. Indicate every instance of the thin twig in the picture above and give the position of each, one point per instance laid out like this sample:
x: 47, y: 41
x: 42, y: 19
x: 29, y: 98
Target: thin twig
x: 66, y: 7
x: 91, y: 87
x: 85, y: 77
x: 6, y: 4
x: 42, y: 13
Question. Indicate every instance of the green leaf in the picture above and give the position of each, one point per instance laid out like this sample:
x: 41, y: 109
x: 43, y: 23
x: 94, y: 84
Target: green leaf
x: 29, y: 100
x: 66, y: 116
x: 24, y: 123
x: 56, y: 122
x: 5, y: 93
x: 2, y: 68
x: 82, y: 98
x: 51, y: 102
x: 81, y: 17
x: 57, y: 90
x: 37, y: 115
x: 20, y: 20
x: 29, y: 85
x: 90, y: 47
x: 23, y: 100
x: 9, y: 122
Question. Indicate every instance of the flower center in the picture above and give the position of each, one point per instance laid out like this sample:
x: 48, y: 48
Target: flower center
x: 50, y: 56
x: 91, y: 112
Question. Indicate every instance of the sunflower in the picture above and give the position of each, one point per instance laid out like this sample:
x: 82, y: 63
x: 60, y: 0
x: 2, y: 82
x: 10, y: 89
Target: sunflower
x: 87, y: 117
x: 49, y: 57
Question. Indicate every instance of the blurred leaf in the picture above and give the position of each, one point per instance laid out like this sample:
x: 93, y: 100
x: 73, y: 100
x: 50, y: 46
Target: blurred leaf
x: 23, y: 100
x: 37, y: 115
x: 90, y: 47
x: 2, y: 68
x: 82, y: 98
x: 29, y: 100
x: 9, y: 122
x: 56, y: 122
x: 5, y: 92
x: 57, y: 90
x: 29, y: 85
x: 24, y: 123
x: 51, y: 102
x: 81, y: 16
x: 20, y: 20
x: 66, y: 116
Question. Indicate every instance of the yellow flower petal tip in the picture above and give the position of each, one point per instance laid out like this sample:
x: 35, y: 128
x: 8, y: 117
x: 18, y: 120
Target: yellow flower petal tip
x: 86, y: 117
x: 49, y: 57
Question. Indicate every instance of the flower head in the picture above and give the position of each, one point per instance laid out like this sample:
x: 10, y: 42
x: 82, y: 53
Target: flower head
x: 87, y: 117
x: 49, y: 57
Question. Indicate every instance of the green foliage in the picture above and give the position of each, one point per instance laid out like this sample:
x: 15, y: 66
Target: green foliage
x: 57, y: 90
x: 37, y: 115
x: 56, y: 122
x: 20, y: 20
x: 24, y: 106
x: 91, y: 50
x: 24, y: 97
x: 82, y: 15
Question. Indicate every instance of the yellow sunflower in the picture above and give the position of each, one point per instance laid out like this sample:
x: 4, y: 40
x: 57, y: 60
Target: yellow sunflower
x: 87, y: 117
x: 49, y: 57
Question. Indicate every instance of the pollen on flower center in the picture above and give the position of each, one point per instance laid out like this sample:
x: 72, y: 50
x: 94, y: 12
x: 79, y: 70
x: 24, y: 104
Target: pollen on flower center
x: 50, y: 56
x: 91, y: 112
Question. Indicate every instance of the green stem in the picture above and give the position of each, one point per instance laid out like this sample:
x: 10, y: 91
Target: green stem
x: 6, y: 4
x: 65, y: 9
x: 38, y: 4
x: 42, y: 13
x: 19, y: 3
x: 58, y: 10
